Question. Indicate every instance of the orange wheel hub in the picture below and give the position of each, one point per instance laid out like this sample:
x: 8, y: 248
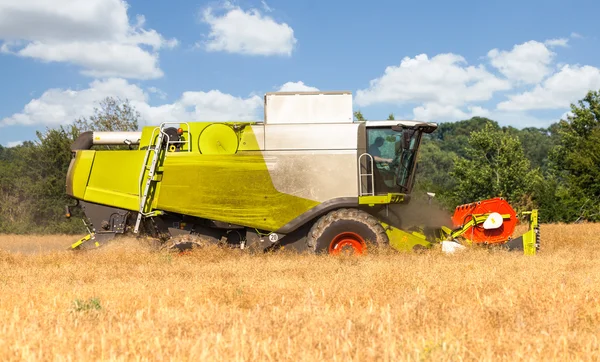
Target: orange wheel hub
x: 348, y: 243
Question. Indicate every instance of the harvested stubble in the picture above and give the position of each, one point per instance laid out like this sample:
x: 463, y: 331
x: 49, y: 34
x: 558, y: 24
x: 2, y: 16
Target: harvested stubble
x: 127, y: 303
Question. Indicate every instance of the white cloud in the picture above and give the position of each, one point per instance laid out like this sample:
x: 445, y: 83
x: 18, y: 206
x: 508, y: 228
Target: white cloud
x: 297, y: 87
x: 443, y: 84
x: 99, y: 59
x: 62, y: 106
x: 159, y: 93
x: 519, y: 119
x: 575, y: 35
x: 526, y: 63
x: 438, y: 112
x: 568, y: 85
x: 14, y: 144
x: 560, y: 42
x: 445, y: 87
x: 204, y: 106
x: 247, y: 32
x: 93, y: 34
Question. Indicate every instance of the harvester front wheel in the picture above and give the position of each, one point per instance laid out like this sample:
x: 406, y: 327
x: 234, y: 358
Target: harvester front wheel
x: 346, y: 231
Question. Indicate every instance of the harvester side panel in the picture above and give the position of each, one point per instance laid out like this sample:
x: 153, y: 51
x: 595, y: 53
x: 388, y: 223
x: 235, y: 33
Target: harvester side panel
x: 230, y: 188
x: 282, y: 137
x: 313, y: 161
x: 107, y: 177
x: 79, y: 173
x: 315, y: 175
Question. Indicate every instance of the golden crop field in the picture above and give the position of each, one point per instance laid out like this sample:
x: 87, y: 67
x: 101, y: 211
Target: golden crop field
x: 126, y: 302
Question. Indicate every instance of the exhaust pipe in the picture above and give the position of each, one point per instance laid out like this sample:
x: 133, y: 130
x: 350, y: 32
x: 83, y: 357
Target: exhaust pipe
x: 86, y: 140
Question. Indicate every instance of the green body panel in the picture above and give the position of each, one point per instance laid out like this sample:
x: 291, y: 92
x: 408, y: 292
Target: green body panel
x: 231, y: 188
x: 114, y: 179
x: 145, y: 138
x: 79, y: 173
x: 107, y: 177
x: 390, y: 198
x: 192, y: 131
x: 404, y: 241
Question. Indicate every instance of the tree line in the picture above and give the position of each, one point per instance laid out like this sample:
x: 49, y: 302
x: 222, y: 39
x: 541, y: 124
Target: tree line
x: 555, y: 169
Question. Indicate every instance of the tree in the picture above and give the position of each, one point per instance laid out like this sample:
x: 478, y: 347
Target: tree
x: 48, y: 165
x: 358, y: 116
x: 454, y: 136
x: 33, y: 175
x: 113, y: 115
x: 12, y: 206
x: 432, y: 175
x: 32, y: 184
x: 537, y: 143
x: 391, y: 117
x: 576, y: 158
x: 494, y: 166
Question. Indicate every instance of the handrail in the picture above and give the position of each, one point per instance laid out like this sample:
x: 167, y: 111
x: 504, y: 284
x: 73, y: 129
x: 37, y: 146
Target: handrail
x: 188, y: 141
x: 361, y: 175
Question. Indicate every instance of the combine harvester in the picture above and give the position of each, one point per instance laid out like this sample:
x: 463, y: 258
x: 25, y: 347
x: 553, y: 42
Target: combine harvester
x: 308, y: 178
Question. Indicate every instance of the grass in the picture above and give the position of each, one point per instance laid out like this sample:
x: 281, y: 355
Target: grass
x: 125, y: 302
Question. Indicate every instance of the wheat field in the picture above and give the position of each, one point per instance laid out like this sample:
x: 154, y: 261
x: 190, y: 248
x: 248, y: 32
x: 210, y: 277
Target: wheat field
x: 127, y: 302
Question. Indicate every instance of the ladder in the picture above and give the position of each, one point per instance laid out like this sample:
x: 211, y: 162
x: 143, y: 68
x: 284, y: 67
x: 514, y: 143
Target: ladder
x: 156, y: 147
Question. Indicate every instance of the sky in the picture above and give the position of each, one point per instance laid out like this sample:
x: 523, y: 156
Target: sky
x: 520, y: 63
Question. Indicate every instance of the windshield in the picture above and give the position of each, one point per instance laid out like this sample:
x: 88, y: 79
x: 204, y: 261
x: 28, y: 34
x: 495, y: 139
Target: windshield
x: 394, y: 157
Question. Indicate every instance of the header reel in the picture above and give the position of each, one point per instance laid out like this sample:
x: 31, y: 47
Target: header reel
x: 490, y: 222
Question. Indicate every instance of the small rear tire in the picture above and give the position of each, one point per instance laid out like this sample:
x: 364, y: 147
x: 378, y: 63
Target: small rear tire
x: 347, y: 231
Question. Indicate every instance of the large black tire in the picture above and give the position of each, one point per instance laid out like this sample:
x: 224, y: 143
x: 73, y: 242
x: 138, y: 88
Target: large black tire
x: 346, y: 230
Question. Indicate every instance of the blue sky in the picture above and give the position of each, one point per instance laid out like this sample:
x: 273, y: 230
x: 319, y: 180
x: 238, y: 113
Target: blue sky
x: 519, y: 62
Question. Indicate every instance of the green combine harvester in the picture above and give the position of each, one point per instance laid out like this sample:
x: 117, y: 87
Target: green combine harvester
x: 308, y: 177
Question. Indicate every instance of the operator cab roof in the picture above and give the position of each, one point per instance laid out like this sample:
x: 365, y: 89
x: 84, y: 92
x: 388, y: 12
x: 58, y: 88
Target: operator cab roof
x: 427, y: 127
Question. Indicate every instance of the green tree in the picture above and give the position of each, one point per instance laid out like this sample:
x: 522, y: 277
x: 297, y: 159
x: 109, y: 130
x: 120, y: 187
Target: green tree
x: 391, y: 117
x: 494, y: 166
x: 557, y: 201
x: 358, y: 116
x: 438, y: 154
x: 48, y: 163
x: 433, y: 168
x: 13, y: 205
x: 33, y: 175
x: 114, y: 114
x: 537, y: 143
x: 454, y: 136
x: 576, y: 158
x: 32, y: 185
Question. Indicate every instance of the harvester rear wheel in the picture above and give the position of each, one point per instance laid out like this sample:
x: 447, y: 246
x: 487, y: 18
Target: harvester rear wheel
x: 346, y: 231
x: 185, y: 243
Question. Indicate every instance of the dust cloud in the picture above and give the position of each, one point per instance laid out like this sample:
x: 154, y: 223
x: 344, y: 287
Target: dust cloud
x: 420, y: 211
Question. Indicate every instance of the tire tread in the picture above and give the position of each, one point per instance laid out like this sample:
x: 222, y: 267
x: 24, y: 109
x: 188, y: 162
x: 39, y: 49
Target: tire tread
x: 346, y: 214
